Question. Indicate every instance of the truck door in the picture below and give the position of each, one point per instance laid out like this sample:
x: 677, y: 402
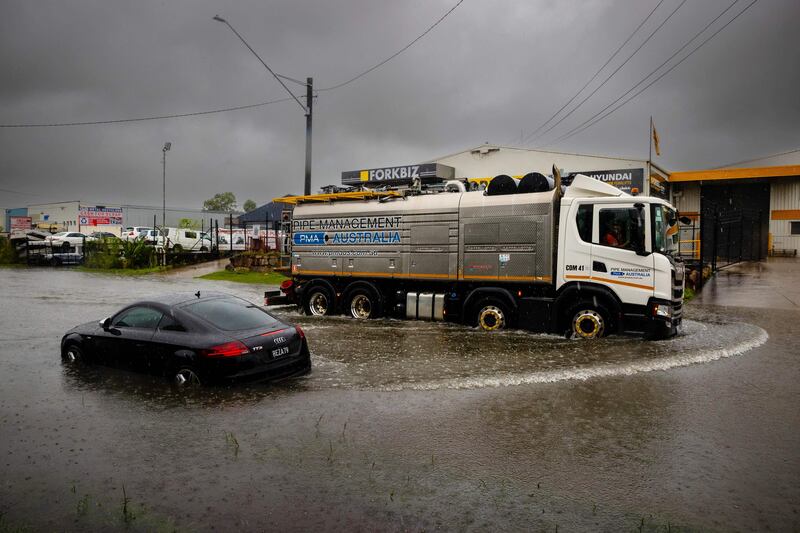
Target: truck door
x: 577, y: 246
x: 618, y: 231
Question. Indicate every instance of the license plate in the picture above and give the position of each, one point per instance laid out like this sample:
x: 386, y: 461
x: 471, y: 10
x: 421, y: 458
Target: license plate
x: 277, y: 352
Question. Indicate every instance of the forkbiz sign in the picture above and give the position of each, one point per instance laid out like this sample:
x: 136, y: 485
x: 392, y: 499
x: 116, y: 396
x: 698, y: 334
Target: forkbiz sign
x: 404, y: 174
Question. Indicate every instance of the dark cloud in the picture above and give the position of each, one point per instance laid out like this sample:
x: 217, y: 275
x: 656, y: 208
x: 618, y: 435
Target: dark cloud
x: 492, y: 71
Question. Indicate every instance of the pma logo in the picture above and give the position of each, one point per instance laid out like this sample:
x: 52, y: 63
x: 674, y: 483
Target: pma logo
x: 617, y: 273
x: 308, y: 238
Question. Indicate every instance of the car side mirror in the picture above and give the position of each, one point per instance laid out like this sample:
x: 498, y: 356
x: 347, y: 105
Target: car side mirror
x: 105, y: 323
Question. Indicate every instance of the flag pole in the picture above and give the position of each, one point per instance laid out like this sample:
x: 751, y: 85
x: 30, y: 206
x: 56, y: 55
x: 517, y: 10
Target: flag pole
x: 650, y: 137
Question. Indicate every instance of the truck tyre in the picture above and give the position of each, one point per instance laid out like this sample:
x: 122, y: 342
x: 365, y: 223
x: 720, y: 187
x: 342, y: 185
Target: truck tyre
x: 492, y: 315
x: 589, y: 320
x: 318, y: 300
x: 363, y: 302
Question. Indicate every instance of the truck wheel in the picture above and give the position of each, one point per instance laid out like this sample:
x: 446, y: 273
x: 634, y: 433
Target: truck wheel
x: 364, y: 303
x: 492, y: 315
x: 319, y: 301
x: 588, y: 320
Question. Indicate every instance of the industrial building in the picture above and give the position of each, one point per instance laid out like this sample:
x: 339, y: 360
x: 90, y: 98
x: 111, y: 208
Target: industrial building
x: 75, y: 215
x: 751, y: 208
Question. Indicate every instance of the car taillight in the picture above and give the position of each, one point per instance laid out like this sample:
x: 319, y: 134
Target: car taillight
x: 229, y: 349
x: 300, y: 332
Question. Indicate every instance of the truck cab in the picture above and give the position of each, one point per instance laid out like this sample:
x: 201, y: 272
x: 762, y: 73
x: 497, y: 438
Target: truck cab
x: 621, y: 250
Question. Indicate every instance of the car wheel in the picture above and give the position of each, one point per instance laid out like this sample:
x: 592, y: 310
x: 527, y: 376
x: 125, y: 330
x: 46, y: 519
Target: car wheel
x: 73, y: 355
x: 589, y: 320
x: 492, y: 315
x: 319, y: 301
x: 186, y: 377
x: 203, y: 249
x: 177, y: 248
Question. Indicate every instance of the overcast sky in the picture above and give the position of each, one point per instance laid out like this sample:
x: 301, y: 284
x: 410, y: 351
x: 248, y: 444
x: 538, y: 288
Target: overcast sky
x: 493, y: 70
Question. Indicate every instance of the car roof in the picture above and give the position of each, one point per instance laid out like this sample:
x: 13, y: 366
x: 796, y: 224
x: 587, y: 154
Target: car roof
x: 176, y: 298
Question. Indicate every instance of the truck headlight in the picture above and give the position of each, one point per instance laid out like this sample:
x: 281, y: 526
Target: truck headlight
x: 662, y: 310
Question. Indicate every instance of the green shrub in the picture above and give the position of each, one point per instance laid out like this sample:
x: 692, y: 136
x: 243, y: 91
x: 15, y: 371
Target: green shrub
x: 8, y: 254
x: 114, y: 253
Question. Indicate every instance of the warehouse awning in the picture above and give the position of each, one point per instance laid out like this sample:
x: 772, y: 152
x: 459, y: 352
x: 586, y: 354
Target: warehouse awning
x: 735, y: 173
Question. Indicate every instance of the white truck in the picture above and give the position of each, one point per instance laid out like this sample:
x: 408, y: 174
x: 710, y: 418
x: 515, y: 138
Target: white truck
x: 586, y: 260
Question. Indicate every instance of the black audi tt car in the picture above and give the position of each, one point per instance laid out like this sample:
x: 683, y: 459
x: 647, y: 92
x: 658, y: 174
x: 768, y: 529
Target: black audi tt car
x: 193, y: 339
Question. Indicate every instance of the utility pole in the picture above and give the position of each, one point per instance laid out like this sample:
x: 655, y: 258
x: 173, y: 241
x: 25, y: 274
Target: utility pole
x: 166, y: 148
x: 309, y: 107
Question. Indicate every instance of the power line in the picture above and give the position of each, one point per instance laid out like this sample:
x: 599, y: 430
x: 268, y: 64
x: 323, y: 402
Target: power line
x: 142, y: 119
x: 406, y: 47
x: 238, y: 108
x: 220, y: 19
x: 591, y: 121
x: 22, y: 193
x: 546, y: 122
x: 613, y: 73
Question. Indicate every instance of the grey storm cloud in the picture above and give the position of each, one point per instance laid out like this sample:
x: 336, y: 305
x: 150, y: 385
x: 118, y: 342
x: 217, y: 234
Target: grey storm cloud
x: 491, y: 71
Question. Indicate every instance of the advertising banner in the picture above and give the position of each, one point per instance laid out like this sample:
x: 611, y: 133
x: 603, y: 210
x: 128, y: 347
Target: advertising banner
x: 625, y: 179
x: 20, y: 224
x: 100, y: 216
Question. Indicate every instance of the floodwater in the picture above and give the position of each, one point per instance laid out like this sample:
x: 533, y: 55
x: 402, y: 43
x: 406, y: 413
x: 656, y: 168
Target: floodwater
x: 402, y: 426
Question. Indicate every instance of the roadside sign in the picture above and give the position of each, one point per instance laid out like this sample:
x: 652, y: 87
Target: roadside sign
x: 100, y: 216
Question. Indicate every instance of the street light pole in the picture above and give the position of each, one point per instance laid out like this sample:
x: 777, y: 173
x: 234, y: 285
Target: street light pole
x: 164, y: 151
x: 307, y: 109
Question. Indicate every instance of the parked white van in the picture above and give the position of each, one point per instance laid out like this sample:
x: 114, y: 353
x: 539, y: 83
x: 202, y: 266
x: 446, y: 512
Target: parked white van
x: 190, y: 240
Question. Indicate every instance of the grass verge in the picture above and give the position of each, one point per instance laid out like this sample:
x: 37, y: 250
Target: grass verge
x: 124, y: 271
x: 264, y: 278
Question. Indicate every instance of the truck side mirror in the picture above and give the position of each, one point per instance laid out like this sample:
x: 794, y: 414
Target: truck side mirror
x: 686, y: 221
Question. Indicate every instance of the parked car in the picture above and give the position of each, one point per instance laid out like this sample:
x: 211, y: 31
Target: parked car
x: 132, y: 232
x: 66, y: 239
x: 190, y: 240
x: 102, y: 236
x: 193, y: 339
x: 153, y: 236
x: 64, y: 258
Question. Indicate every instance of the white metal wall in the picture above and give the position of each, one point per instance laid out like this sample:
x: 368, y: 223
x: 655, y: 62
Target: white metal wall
x: 784, y: 195
x: 686, y: 197
x: 488, y: 161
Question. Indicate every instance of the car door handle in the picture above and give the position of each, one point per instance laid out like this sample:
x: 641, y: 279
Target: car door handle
x: 597, y: 266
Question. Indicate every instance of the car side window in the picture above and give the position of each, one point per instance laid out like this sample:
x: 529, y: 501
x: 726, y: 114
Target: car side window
x: 138, y: 317
x: 168, y: 323
x: 191, y: 235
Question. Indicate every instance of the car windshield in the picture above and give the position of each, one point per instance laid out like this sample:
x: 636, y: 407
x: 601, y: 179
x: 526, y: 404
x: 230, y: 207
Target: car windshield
x: 232, y: 314
x: 61, y: 234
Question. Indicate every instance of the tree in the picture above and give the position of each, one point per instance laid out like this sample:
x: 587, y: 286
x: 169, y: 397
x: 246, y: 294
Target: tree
x: 223, y: 201
x: 188, y: 223
x: 249, y: 205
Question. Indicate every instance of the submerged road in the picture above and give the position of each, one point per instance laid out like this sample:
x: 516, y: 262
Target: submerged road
x: 410, y: 425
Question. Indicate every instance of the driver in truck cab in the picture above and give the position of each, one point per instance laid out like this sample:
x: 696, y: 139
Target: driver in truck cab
x: 613, y: 236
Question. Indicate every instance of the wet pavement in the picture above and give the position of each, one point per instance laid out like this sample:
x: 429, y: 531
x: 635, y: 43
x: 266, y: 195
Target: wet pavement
x: 407, y: 425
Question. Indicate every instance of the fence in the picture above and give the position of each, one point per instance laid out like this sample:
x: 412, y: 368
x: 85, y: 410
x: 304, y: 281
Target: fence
x: 720, y: 239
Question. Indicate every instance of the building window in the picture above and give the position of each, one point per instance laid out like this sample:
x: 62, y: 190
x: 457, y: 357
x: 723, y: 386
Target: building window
x: 795, y: 228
